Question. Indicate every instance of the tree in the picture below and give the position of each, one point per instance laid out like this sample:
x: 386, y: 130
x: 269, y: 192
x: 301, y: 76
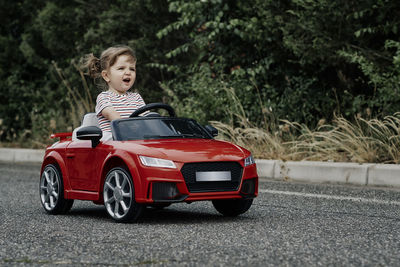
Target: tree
x: 304, y: 60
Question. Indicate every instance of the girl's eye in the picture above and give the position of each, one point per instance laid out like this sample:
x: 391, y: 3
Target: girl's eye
x: 133, y: 69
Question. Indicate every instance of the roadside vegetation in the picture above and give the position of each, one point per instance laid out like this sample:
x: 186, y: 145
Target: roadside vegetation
x: 295, y: 80
x: 362, y: 140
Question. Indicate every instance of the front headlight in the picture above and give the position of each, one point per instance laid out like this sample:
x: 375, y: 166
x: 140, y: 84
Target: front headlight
x: 155, y: 162
x: 248, y: 161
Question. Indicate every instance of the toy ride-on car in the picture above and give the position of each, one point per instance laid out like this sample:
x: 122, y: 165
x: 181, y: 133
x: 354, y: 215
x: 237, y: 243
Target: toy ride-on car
x: 149, y: 160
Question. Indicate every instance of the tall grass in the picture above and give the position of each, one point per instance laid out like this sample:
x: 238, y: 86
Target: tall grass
x: 359, y: 140
x: 80, y: 102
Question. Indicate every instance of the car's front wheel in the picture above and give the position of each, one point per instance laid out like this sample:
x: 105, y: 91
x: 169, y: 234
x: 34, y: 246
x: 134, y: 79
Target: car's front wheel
x: 51, y: 191
x: 232, y: 207
x: 119, y: 196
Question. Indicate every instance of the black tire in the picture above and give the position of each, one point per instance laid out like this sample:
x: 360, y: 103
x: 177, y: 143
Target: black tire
x: 51, y: 191
x: 119, y: 196
x: 68, y: 206
x: 232, y: 207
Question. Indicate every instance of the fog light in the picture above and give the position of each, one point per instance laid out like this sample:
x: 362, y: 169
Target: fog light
x: 165, y: 191
x: 248, y: 187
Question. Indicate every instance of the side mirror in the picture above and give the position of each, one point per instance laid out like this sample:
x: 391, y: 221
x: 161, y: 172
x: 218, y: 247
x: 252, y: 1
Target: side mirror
x: 211, y: 130
x: 90, y: 133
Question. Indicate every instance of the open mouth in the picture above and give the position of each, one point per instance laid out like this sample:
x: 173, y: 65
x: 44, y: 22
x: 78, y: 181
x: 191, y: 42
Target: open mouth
x: 126, y: 80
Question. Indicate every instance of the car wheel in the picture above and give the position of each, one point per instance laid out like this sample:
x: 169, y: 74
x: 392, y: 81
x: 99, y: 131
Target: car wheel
x: 119, y: 196
x: 232, y: 207
x: 51, y: 191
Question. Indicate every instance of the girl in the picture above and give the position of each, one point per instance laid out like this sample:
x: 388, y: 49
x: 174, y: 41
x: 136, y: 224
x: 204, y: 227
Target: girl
x: 115, y: 71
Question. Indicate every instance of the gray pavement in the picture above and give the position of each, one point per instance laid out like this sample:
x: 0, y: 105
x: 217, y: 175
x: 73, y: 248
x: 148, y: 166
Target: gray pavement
x: 289, y: 224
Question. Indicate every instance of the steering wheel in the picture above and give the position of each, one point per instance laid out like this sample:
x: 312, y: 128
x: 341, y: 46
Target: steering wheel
x: 139, y: 111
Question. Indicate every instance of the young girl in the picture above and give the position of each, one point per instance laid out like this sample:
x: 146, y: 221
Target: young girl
x: 115, y: 71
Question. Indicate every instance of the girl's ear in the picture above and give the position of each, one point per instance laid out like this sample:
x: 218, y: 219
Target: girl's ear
x: 104, y: 74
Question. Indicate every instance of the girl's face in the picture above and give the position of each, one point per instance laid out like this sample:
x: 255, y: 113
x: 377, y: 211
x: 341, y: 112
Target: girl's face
x: 121, y: 76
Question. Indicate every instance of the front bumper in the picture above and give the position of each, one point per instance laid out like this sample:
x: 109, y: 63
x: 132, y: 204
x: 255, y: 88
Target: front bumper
x: 170, y: 186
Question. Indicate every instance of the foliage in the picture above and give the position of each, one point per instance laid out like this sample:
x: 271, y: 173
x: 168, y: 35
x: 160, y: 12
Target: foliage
x: 301, y: 61
x: 304, y: 60
x: 44, y: 41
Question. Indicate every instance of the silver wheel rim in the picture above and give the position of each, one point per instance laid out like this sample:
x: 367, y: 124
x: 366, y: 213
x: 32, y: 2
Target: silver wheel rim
x: 117, y: 194
x: 49, y: 188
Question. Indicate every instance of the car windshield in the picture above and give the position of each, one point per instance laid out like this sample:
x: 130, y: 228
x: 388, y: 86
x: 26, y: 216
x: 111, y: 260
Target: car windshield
x: 157, y: 128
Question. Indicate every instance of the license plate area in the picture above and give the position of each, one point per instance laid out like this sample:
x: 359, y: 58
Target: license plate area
x: 213, y: 176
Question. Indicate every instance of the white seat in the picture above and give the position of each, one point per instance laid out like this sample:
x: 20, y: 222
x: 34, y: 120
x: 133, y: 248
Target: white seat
x: 90, y: 119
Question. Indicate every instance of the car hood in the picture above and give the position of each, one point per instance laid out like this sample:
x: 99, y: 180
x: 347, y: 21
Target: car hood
x: 186, y: 150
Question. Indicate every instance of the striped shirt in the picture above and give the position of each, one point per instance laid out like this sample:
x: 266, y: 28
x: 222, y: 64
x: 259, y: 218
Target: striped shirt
x: 124, y: 104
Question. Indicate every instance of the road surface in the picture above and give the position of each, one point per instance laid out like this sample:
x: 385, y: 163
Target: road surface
x: 289, y: 224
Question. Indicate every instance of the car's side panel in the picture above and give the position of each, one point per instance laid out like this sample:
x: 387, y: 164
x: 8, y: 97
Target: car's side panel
x: 83, y: 195
x: 83, y: 163
x: 58, y: 156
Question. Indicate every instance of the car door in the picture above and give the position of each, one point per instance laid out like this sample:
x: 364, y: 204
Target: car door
x: 83, y: 165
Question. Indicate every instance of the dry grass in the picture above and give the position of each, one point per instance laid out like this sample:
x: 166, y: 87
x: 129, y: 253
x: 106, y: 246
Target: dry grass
x: 55, y: 120
x: 374, y: 141
x: 263, y: 144
x: 359, y: 140
x: 80, y: 102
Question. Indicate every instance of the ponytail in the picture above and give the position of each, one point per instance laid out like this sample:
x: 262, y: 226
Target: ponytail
x: 93, y: 66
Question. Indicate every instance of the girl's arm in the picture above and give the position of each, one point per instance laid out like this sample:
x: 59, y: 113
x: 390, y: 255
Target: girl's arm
x: 110, y: 113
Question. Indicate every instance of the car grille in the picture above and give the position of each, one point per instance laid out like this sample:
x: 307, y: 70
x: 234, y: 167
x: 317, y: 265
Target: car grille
x: 189, y: 174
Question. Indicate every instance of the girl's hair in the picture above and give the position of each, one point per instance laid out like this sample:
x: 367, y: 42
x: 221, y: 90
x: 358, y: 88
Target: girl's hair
x: 107, y: 58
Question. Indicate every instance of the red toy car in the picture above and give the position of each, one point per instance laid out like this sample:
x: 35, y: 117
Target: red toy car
x: 150, y: 160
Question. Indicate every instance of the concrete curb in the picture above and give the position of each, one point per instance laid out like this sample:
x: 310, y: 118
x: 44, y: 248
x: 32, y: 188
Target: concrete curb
x: 21, y: 155
x: 302, y: 171
x: 330, y: 172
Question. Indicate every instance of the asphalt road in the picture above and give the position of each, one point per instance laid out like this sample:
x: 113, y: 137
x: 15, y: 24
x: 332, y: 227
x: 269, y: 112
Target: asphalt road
x: 288, y: 224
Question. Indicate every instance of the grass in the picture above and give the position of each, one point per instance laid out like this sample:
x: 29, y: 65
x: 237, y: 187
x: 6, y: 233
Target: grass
x: 362, y: 141
x: 80, y: 103
x: 359, y: 140
x: 56, y: 120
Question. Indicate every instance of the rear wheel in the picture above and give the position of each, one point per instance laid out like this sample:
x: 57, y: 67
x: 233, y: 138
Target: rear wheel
x: 232, y: 207
x: 51, y: 191
x: 119, y: 196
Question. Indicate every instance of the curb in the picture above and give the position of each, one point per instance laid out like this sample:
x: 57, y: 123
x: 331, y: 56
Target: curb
x: 303, y: 171
x: 330, y: 172
x: 21, y: 155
